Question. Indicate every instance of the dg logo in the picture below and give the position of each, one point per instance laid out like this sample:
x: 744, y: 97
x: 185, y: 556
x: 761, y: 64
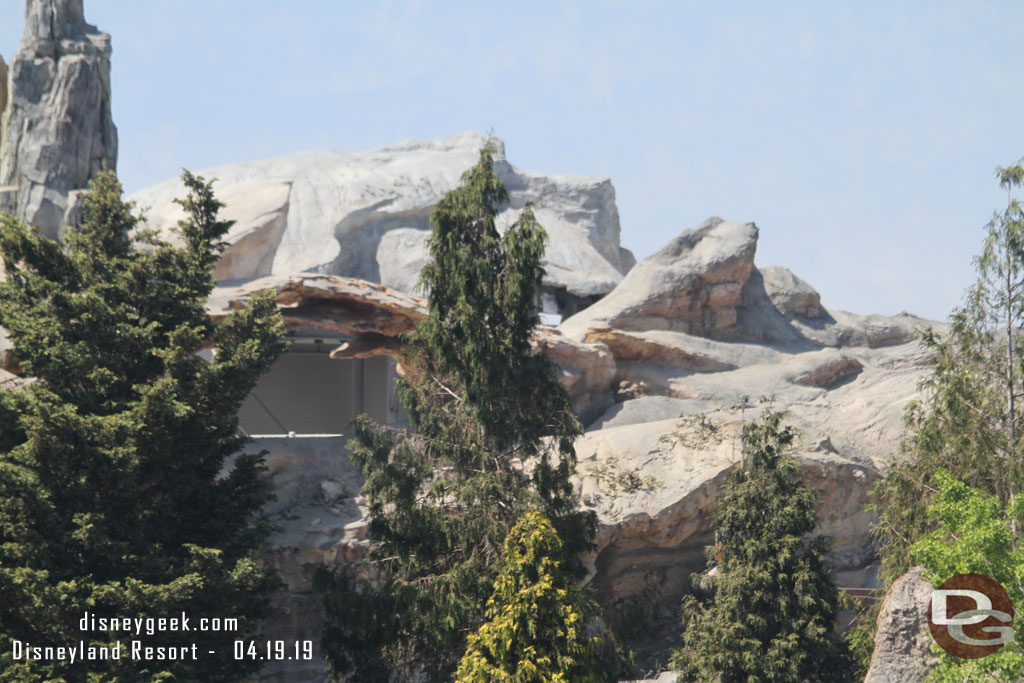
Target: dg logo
x: 970, y: 616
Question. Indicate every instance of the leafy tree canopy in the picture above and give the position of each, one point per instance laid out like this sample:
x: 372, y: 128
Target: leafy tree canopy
x: 969, y: 420
x: 973, y: 534
x: 537, y: 628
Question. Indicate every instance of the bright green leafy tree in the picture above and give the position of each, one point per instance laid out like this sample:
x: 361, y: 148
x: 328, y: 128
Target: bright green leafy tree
x: 114, y: 498
x: 974, y: 534
x: 538, y: 618
x: 969, y: 421
x: 492, y: 438
x: 773, y: 605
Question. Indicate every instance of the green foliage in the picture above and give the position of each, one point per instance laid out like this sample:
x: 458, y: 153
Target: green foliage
x: 773, y: 604
x: 969, y: 421
x: 492, y: 438
x: 537, y: 628
x: 860, y: 636
x: 973, y: 534
x: 111, y: 494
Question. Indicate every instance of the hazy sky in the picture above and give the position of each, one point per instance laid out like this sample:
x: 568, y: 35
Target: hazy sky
x: 861, y: 138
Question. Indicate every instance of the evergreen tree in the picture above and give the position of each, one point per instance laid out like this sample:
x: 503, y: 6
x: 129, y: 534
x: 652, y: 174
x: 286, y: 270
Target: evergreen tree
x: 537, y: 628
x: 773, y: 603
x: 492, y: 438
x: 969, y: 421
x: 112, y: 495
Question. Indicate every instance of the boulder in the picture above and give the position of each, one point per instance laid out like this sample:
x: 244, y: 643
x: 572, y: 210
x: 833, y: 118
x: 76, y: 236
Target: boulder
x: 902, y: 642
x: 57, y: 129
x: 339, y: 211
x: 789, y: 294
x: 693, y: 285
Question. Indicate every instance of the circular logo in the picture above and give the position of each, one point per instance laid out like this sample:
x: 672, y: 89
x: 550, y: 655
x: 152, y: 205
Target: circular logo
x: 970, y: 616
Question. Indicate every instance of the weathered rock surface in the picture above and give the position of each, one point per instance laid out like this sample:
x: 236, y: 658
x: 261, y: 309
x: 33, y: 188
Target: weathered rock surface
x: 704, y: 284
x: 340, y: 210
x: 3, y: 91
x: 902, y: 642
x: 789, y: 294
x: 401, y: 255
x: 57, y: 128
x: 830, y: 372
x: 375, y: 315
x: 693, y: 284
x: 345, y: 305
x: 651, y: 467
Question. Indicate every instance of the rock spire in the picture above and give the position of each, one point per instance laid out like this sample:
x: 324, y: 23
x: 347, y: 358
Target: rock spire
x: 56, y: 131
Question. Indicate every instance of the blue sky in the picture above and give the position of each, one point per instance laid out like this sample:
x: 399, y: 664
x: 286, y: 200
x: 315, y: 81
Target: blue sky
x: 860, y: 137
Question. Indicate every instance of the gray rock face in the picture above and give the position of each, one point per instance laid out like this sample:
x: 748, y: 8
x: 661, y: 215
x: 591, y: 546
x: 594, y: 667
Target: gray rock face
x: 902, y: 643
x: 367, y: 215
x: 401, y: 255
x: 57, y: 129
x: 3, y: 92
x: 789, y: 294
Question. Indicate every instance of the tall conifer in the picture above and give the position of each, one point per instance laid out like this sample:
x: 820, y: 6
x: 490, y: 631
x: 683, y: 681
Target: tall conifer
x: 773, y: 603
x: 491, y: 437
x: 113, y: 495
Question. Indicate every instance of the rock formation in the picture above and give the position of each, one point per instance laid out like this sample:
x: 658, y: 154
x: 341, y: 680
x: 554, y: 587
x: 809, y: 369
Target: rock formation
x: 902, y: 642
x: 665, y: 407
x: 367, y: 215
x: 692, y: 285
x: 3, y: 92
x: 56, y: 132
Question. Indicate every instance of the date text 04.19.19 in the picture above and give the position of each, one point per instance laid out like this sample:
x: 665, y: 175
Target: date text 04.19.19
x: 273, y: 649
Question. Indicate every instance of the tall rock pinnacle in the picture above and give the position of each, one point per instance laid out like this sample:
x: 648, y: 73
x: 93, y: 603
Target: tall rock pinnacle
x: 56, y: 132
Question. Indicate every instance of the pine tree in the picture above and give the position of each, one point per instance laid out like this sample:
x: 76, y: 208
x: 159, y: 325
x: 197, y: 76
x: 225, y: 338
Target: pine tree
x: 112, y: 496
x: 491, y: 438
x: 773, y: 603
x: 537, y: 618
x: 969, y: 421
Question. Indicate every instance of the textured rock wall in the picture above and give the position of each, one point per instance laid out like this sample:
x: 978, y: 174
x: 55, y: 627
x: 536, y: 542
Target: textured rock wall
x: 367, y: 215
x: 3, y: 95
x: 902, y: 642
x: 57, y: 129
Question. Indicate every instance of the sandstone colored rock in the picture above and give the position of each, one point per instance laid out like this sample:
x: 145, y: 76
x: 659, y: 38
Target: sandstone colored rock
x: 902, y: 642
x: 57, y: 128
x: 830, y: 372
x: 650, y: 347
x: 693, y: 284
x: 341, y: 208
x: 655, y: 487
x: 341, y: 304
x: 376, y: 315
x: 789, y: 294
